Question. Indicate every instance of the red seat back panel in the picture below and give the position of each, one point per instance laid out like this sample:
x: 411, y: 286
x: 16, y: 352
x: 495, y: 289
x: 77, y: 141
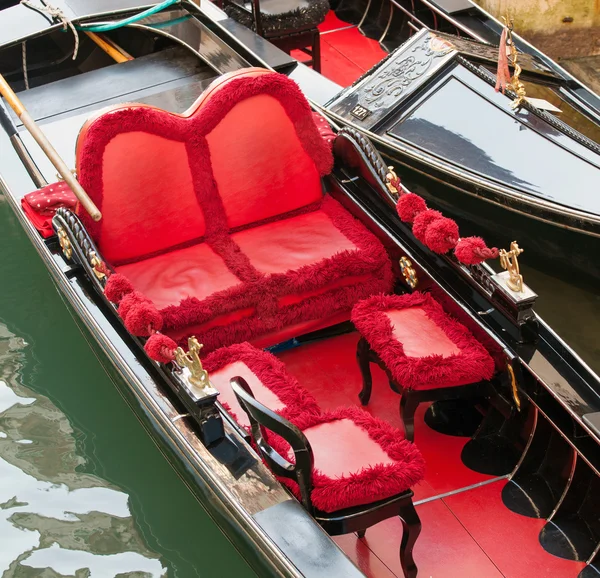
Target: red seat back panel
x: 259, y: 164
x: 149, y: 203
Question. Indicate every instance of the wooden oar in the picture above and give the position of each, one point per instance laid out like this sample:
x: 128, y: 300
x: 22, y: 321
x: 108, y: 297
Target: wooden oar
x: 7, y: 92
x: 11, y: 130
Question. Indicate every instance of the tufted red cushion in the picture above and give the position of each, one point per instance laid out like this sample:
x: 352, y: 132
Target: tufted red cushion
x: 191, y: 272
x: 271, y: 384
x: 421, y: 345
x: 359, y: 459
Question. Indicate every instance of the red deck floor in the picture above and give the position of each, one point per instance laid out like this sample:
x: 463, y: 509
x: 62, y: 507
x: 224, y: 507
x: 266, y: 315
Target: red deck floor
x: 469, y: 534
x: 345, y: 53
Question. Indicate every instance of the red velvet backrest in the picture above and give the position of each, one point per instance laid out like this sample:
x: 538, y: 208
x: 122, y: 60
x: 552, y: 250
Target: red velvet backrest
x: 247, y: 150
x: 267, y: 157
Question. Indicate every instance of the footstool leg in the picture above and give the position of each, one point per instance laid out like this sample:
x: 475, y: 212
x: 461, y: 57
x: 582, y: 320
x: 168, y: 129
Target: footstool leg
x: 411, y: 528
x: 408, y: 406
x: 363, y: 356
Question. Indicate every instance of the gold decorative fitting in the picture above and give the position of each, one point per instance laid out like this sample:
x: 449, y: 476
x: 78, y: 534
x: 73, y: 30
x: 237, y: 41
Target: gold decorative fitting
x: 96, y: 264
x: 392, y: 182
x: 191, y: 360
x: 513, y: 386
x: 410, y: 275
x: 65, y: 244
x: 515, y: 83
x: 509, y: 261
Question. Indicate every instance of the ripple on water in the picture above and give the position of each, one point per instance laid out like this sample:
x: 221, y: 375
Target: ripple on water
x: 52, y: 517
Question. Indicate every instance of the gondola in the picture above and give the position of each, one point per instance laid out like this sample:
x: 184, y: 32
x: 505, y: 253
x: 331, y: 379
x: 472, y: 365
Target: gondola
x: 511, y: 169
x: 393, y: 22
x: 343, y: 398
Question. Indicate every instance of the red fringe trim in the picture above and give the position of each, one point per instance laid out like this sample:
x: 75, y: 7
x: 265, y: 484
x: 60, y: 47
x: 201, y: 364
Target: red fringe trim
x: 472, y: 364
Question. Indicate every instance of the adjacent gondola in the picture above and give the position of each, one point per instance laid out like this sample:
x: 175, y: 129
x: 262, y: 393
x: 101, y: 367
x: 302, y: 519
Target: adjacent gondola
x: 432, y: 107
x: 224, y: 203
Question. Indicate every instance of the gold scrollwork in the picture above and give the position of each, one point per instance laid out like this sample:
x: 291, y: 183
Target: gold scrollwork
x: 513, y: 386
x: 65, y: 244
x: 410, y: 275
x: 191, y: 360
x: 96, y: 265
x: 509, y: 261
x: 392, y: 182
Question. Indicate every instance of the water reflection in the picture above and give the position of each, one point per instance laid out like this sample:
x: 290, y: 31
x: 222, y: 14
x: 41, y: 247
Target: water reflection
x: 51, y: 515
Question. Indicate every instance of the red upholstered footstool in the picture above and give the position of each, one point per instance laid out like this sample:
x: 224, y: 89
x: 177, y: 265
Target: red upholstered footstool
x: 427, y: 355
x: 267, y: 376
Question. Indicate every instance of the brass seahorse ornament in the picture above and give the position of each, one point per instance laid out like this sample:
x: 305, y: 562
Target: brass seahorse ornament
x: 509, y: 261
x: 191, y: 361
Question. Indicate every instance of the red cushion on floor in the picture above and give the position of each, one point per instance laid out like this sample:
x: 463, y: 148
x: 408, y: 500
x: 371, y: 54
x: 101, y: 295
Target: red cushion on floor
x: 359, y: 459
x: 270, y: 382
x: 191, y: 272
x: 421, y: 345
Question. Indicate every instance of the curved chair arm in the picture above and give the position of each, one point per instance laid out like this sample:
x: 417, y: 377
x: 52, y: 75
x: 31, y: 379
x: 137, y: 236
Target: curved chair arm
x: 261, y: 419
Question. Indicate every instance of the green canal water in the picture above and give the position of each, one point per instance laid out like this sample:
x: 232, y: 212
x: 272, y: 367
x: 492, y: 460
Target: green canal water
x: 83, y: 489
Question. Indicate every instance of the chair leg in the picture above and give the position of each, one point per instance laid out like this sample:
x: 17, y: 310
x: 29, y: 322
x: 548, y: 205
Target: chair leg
x: 394, y: 387
x: 316, y: 51
x: 361, y: 533
x: 411, y: 528
x: 363, y: 357
x: 408, y: 406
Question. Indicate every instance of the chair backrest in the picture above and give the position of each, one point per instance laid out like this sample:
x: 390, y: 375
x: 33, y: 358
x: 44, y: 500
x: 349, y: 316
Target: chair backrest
x: 262, y: 419
x: 247, y: 151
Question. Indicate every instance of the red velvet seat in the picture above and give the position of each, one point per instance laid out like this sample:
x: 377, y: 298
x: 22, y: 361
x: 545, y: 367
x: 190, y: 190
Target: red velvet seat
x: 358, y: 459
x: 218, y: 215
x: 267, y: 376
x: 426, y: 354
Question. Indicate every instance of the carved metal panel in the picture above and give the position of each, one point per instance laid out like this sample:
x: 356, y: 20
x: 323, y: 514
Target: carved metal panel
x: 401, y: 73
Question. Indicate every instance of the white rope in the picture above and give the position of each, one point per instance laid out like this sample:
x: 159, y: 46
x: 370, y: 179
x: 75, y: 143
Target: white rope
x: 56, y: 14
x: 24, y: 54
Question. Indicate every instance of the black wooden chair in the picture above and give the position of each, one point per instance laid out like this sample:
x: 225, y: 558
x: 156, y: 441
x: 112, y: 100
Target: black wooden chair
x: 288, y: 24
x: 302, y: 474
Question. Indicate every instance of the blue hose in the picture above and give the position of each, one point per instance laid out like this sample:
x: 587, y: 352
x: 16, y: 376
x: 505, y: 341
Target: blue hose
x: 126, y: 21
